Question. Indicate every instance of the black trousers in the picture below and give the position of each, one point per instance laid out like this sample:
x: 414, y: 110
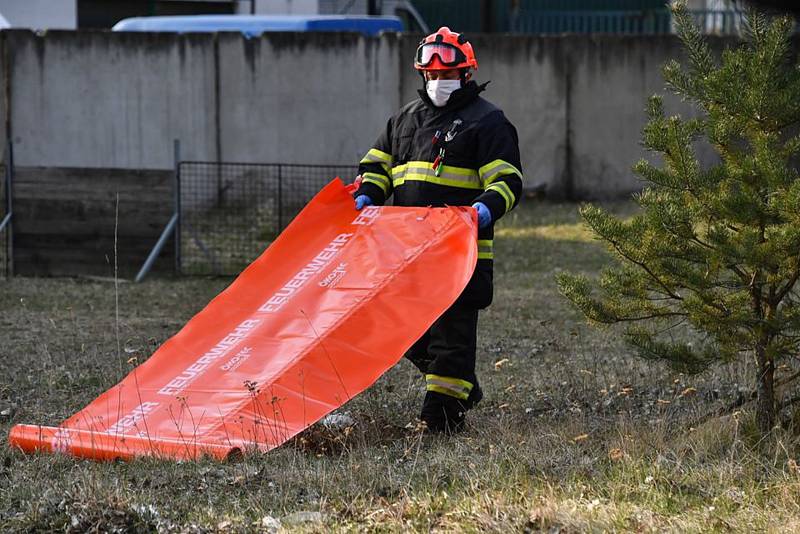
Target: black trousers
x: 448, y: 347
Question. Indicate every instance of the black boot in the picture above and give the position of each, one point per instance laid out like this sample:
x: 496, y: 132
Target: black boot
x: 442, y: 413
x: 475, y: 396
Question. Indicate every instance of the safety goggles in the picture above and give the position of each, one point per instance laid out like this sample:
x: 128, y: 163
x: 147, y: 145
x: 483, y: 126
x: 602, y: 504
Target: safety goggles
x: 449, y: 55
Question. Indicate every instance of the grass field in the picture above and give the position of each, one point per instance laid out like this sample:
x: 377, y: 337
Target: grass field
x: 574, y: 434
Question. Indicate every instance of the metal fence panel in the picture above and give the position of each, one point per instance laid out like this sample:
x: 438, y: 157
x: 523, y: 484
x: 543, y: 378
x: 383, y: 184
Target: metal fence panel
x: 588, y: 5
x: 230, y: 212
x: 617, y: 22
x: 626, y: 22
x: 465, y: 16
x: 5, y: 259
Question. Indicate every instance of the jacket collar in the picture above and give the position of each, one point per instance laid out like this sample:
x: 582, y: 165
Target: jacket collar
x: 458, y: 99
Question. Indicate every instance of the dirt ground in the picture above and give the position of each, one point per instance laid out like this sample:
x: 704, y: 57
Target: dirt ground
x: 575, y: 432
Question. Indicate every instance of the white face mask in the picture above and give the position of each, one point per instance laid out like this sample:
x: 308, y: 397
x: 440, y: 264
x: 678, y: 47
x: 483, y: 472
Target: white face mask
x: 439, y: 90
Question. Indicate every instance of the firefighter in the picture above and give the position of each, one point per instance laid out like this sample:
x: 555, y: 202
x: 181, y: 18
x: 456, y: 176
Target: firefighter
x: 448, y: 147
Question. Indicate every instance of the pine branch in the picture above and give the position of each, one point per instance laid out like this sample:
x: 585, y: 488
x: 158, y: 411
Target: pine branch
x: 671, y: 327
x: 741, y: 274
x: 617, y: 246
x: 789, y: 284
x: 664, y: 315
x: 732, y: 267
x: 788, y: 379
x: 754, y: 26
x: 700, y: 56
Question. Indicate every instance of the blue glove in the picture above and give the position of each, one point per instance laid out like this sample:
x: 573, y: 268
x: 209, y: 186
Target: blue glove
x: 363, y: 200
x: 484, y: 215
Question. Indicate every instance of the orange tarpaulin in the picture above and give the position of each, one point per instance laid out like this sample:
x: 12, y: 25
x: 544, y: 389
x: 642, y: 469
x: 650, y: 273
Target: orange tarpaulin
x: 331, y: 305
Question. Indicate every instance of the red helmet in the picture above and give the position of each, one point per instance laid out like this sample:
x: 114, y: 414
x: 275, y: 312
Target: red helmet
x: 445, y: 50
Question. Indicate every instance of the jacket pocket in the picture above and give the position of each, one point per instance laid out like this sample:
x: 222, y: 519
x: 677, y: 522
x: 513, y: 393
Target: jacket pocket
x: 404, y: 144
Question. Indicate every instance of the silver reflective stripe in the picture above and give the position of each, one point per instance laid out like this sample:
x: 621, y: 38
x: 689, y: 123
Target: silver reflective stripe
x: 504, y: 191
x: 378, y: 179
x: 485, y: 249
x: 454, y: 387
x: 494, y: 170
x: 378, y: 156
x: 423, y: 172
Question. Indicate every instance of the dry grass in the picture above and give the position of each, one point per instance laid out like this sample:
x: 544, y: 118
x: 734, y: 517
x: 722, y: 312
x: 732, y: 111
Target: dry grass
x: 575, y: 434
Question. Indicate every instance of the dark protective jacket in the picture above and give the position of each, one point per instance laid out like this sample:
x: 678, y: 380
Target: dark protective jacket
x: 478, y: 150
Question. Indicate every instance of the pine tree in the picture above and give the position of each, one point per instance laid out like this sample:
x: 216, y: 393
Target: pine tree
x: 707, y: 271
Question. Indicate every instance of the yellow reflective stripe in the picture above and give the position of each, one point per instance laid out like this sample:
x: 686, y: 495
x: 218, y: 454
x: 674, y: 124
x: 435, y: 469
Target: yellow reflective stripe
x: 422, y: 171
x: 485, y: 249
x: 447, y: 391
x: 378, y: 156
x: 446, y: 385
x: 494, y: 170
x: 465, y: 172
x: 439, y: 180
x: 505, y: 192
x: 377, y: 179
x: 450, y: 380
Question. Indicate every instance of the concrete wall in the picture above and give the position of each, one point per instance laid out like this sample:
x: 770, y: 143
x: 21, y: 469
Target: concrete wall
x: 295, y: 98
x: 610, y: 81
x: 102, y: 99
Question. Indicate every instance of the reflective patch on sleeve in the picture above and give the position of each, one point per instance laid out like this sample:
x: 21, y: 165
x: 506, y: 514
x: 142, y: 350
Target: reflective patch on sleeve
x: 454, y: 387
x: 379, y: 180
x: 494, y: 170
x: 378, y: 156
x: 485, y: 249
x: 505, y: 192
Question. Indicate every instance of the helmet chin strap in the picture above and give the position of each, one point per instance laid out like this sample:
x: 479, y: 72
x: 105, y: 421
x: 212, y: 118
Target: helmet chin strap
x: 462, y: 75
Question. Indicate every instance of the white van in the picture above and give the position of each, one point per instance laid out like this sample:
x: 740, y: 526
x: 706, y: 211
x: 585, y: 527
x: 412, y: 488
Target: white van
x: 403, y: 9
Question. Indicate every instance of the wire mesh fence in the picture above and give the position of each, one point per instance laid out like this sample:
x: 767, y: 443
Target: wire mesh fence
x: 617, y: 22
x: 231, y: 212
x: 5, y: 258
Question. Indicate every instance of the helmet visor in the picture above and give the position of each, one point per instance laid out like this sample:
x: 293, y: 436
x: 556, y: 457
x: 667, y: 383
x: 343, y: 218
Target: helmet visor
x: 449, y: 55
